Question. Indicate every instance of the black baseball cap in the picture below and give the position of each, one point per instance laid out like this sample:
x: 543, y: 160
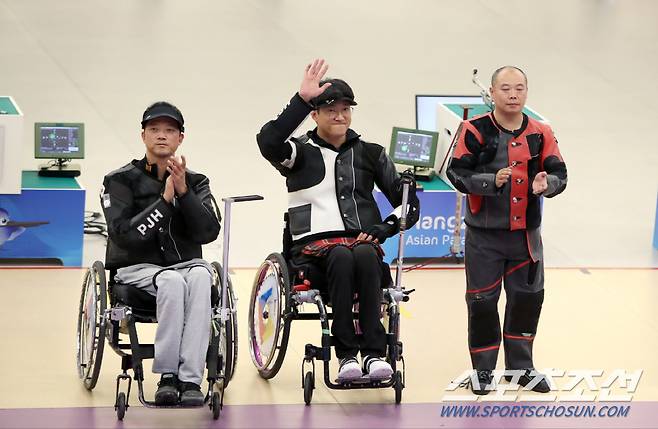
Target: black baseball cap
x: 338, y: 91
x: 163, y: 109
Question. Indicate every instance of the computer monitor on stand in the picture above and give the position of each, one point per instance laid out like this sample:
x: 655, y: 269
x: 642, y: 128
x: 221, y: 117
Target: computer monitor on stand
x: 415, y: 148
x: 59, y: 142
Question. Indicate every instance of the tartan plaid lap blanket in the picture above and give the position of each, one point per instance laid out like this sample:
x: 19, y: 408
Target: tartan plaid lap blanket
x: 320, y: 248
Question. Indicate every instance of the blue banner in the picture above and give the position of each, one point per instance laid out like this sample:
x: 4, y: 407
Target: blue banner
x: 42, y: 226
x: 433, y: 234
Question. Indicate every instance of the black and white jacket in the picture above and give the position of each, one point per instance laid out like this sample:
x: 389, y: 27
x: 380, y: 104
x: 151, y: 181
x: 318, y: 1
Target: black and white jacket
x: 329, y: 190
x: 144, y: 228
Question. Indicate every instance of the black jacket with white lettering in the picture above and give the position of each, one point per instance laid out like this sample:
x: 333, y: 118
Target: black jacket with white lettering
x: 144, y: 228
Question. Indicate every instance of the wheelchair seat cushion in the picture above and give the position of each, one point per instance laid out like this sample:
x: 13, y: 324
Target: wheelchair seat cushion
x: 142, y: 303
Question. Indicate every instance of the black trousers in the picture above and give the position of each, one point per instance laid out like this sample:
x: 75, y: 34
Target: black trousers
x: 495, y: 259
x: 349, y: 271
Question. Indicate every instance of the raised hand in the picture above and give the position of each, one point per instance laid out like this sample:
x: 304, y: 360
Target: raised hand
x: 310, y: 87
x: 540, y: 184
x: 176, y: 168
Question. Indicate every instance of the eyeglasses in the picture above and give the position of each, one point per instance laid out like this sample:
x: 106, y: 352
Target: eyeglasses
x: 333, y: 112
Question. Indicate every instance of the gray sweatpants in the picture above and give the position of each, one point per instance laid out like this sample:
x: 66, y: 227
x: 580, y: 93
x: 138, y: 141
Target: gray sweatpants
x: 182, y: 294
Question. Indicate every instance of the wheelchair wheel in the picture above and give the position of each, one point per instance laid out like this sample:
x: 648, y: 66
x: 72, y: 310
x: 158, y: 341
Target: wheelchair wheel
x: 398, y: 386
x: 268, y: 329
x: 309, y: 385
x: 91, y: 326
x: 228, y: 337
x: 215, y: 405
x: 121, y: 406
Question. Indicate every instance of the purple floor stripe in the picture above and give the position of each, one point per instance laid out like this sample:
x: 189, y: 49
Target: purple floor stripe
x: 640, y: 415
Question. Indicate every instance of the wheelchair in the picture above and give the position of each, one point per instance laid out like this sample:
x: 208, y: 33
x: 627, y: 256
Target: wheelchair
x: 280, y: 288
x: 129, y: 305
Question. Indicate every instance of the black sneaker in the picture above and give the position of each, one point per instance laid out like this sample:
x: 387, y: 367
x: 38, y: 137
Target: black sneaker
x: 528, y: 376
x: 190, y: 394
x: 167, y: 393
x: 485, y: 382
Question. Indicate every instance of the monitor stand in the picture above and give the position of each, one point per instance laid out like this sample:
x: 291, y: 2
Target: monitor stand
x: 424, y: 174
x: 61, y: 168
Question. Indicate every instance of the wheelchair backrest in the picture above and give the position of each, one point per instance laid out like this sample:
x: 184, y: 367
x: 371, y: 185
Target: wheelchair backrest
x: 287, y: 238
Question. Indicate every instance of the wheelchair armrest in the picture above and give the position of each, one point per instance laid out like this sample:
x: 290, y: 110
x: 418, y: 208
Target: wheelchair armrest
x: 241, y: 198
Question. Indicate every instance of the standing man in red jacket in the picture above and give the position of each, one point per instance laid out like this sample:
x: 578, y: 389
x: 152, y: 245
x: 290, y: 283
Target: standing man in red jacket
x: 505, y: 162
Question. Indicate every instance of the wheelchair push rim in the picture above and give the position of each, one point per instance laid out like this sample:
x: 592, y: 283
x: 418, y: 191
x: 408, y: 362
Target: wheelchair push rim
x: 91, y: 325
x: 268, y: 329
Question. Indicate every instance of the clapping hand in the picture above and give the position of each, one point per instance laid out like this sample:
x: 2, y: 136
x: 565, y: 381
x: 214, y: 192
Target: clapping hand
x: 169, y: 191
x: 176, y: 168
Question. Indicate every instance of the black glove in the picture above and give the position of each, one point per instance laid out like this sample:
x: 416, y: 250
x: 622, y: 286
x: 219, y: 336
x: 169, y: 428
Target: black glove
x: 407, y: 177
x: 414, y: 210
x: 382, y: 231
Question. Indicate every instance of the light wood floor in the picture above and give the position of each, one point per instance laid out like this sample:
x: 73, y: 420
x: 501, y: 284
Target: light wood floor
x: 597, y: 319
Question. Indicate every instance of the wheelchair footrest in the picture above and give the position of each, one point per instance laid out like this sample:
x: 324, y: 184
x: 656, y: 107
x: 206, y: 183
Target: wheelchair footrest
x: 364, y: 379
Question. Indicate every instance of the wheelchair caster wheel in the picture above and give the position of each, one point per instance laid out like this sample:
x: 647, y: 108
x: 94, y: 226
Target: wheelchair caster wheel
x: 121, y: 406
x: 309, y: 385
x: 215, y: 406
x: 398, y: 386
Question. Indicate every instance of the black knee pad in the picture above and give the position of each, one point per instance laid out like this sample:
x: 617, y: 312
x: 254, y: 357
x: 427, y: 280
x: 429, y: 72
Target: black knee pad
x: 483, y: 322
x: 523, y: 312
